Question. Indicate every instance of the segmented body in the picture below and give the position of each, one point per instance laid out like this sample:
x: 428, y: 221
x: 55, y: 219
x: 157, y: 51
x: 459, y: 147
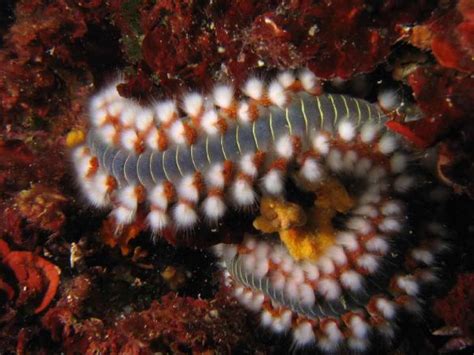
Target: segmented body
x: 303, y: 118
x: 226, y: 149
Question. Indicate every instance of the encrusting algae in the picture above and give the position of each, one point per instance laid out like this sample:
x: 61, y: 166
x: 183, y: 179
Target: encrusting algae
x: 306, y: 235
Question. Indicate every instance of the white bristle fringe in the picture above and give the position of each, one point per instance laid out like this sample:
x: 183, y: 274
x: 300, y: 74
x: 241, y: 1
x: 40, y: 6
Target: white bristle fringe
x: 213, y: 207
x: 223, y: 96
x: 184, y: 215
x: 193, y: 104
x: 277, y: 94
x: 286, y: 79
x: 273, y: 182
x: 165, y: 111
x: 253, y: 88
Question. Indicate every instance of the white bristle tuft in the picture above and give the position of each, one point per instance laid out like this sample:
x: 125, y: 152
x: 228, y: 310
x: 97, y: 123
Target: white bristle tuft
x: 287, y: 263
x: 359, y: 225
x: 266, y: 319
x: 243, y: 112
x: 97, y: 102
x: 247, y: 165
x: 243, y: 193
x: 337, y: 254
x: 107, y: 133
x: 284, y: 147
x: 377, y: 244
x: 262, y: 250
x: 357, y: 344
x: 83, y: 165
x: 306, y: 295
x: 310, y: 270
x: 250, y: 242
x: 329, y: 288
x: 98, y: 117
x: 115, y: 108
x: 128, y: 115
x: 408, y: 284
x: 321, y: 143
x: 368, y: 262
x: 110, y: 94
x: 256, y: 302
x: 215, y: 176
x: 277, y: 254
x: 187, y: 189
x: 297, y: 274
x: 392, y: 208
x: 193, y: 104
x: 272, y: 182
x: 79, y: 153
x: 386, y: 308
x: 96, y: 191
x: 157, y: 220
x: 286, y: 79
x: 123, y: 215
x: 100, y: 182
x: 166, y: 111
x: 359, y: 327
x: 129, y: 139
x: 423, y: 255
x: 303, y: 334
x: 311, y: 170
x: 158, y: 198
x: 369, y: 132
x: 333, y: 337
x: 151, y: 139
x: 334, y: 160
x: 184, y: 215
x: 278, y: 280
x: 291, y: 289
x: 177, y: 132
x: 229, y: 251
x: 389, y: 99
x: 214, y: 207
x: 144, y: 120
x: 209, y: 122
x: 348, y: 240
x: 370, y: 197
x: 326, y: 265
x: 398, y: 163
x: 390, y: 225
x: 387, y: 144
x: 367, y: 211
x: 128, y: 197
x: 351, y: 280
x: 223, y: 96
x: 308, y: 80
x: 346, y: 130
x: 253, y: 88
x: 282, y: 323
x: 261, y: 268
x: 277, y: 94
x: 404, y: 183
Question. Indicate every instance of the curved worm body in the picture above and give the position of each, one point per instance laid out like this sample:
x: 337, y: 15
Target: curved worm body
x: 190, y: 162
x: 221, y: 151
x: 303, y: 118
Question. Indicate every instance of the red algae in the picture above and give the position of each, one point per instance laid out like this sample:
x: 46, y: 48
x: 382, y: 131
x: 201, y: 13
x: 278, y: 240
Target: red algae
x: 34, y: 275
x: 176, y: 324
x: 452, y: 308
